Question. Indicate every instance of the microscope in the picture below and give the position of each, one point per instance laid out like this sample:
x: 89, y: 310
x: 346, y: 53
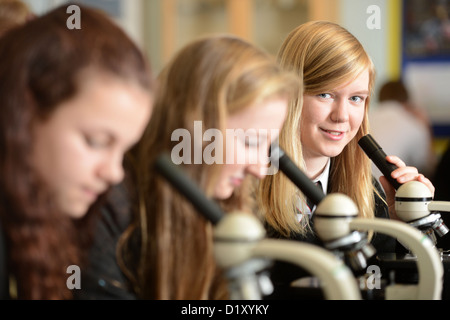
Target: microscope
x: 414, y: 205
x: 337, y: 225
x: 335, y: 219
x: 243, y: 251
x: 413, y: 200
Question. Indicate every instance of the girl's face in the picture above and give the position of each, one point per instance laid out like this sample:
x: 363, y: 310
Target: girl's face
x: 254, y: 129
x: 330, y: 120
x: 78, y: 151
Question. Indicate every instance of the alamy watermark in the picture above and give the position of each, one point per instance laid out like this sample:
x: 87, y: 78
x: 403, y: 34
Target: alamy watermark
x: 74, y: 21
x: 374, y: 20
x: 373, y: 277
x: 222, y: 149
x: 74, y: 280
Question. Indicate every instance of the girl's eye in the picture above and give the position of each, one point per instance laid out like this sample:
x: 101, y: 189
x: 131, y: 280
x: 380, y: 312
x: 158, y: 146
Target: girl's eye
x: 357, y: 99
x: 97, y: 143
x: 324, y: 95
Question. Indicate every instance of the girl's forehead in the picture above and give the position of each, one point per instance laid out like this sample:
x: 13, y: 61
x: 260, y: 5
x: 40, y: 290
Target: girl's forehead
x: 354, y: 82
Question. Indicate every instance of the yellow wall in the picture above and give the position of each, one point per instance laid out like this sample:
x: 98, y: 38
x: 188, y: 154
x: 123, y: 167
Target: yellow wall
x: 394, y: 44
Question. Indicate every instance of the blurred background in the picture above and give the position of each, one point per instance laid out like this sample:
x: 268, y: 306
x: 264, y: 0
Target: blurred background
x: 405, y: 38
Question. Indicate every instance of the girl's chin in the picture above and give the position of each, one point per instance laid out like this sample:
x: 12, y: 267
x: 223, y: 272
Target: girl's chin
x: 76, y: 211
x: 223, y: 193
x: 332, y: 151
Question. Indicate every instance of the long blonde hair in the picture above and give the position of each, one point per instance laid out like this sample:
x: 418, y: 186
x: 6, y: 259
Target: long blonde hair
x: 206, y: 81
x: 326, y: 56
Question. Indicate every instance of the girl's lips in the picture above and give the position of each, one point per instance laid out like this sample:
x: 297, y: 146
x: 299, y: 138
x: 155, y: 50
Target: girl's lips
x: 334, y: 135
x: 236, y: 181
x: 92, y: 194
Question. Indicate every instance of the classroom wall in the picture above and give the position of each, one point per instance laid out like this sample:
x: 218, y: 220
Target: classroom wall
x: 160, y: 27
x: 361, y: 18
x: 143, y: 19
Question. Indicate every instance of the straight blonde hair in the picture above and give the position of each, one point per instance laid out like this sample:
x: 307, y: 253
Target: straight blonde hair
x: 209, y: 79
x: 326, y: 56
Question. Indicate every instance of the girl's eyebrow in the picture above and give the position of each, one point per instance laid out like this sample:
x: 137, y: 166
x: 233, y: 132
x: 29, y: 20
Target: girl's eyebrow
x: 366, y: 92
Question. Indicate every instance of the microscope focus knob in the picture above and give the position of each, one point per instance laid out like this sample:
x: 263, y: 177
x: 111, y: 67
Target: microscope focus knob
x: 411, y: 201
x: 333, y: 215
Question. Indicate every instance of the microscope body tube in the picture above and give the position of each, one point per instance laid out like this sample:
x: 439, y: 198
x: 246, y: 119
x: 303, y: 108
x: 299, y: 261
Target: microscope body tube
x: 295, y: 174
x: 378, y: 157
x: 188, y: 188
x: 240, y: 237
x: 429, y: 263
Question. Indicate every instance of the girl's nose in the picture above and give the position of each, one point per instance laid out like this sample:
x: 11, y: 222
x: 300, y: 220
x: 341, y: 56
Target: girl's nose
x: 340, y: 111
x: 112, y: 170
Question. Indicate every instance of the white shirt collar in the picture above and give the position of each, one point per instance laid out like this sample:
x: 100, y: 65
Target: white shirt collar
x: 323, y: 178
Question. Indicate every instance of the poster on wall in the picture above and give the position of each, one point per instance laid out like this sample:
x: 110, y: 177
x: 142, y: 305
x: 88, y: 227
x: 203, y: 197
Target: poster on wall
x: 426, y: 58
x: 426, y: 30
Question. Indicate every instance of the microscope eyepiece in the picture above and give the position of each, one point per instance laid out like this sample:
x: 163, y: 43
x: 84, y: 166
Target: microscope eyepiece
x: 374, y: 151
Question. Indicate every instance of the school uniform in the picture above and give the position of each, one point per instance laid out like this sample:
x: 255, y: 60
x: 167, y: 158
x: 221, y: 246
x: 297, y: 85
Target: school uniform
x: 441, y: 181
x: 102, y: 278
x: 284, y: 273
x: 4, y: 274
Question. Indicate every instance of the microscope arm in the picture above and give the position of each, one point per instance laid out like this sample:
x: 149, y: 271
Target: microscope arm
x: 429, y: 263
x: 239, y: 238
x: 337, y: 280
x: 441, y: 206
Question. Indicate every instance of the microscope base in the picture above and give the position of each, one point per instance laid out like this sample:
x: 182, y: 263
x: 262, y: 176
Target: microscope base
x: 402, y: 269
